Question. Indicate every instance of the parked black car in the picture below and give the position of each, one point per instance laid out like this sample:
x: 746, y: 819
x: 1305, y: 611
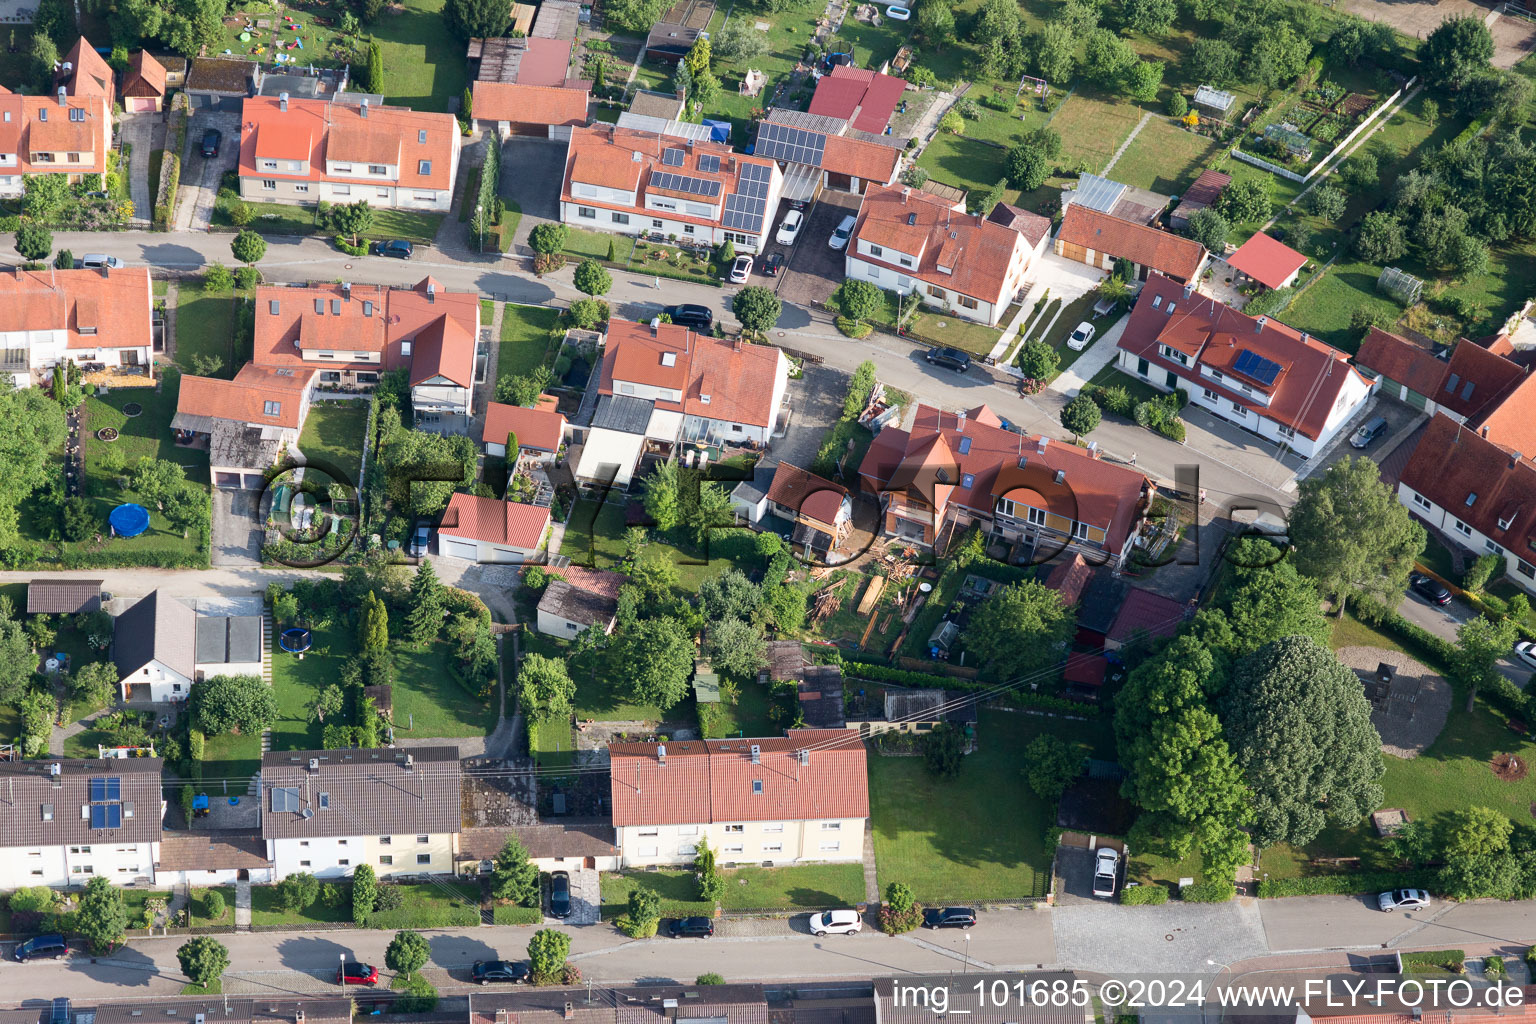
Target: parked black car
x: 513, y: 971
x: 39, y: 946
x: 398, y: 248
x: 773, y: 264
x: 691, y: 928
x: 1429, y: 588
x: 211, y: 139
x: 690, y: 315
x: 952, y: 358
x: 560, y: 894
x: 949, y: 917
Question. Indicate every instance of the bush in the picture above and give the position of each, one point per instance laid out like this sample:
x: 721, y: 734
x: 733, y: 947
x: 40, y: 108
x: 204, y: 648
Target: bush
x: 165, y: 201
x: 37, y: 899
x: 217, y: 278
x: 1208, y: 892
x: 635, y: 929
x: 709, y: 979
x: 418, y: 995
x: 1143, y: 895
x: 351, y: 250
x: 1346, y: 884
x: 1178, y: 106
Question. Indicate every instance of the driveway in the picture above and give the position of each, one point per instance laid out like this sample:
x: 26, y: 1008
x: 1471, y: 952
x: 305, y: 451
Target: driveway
x: 1444, y: 621
x: 237, y: 532
x: 533, y: 160
x: 199, y: 177
x: 1399, y: 419
x: 815, y: 269
x: 143, y: 132
x: 1074, y: 878
x: 815, y: 402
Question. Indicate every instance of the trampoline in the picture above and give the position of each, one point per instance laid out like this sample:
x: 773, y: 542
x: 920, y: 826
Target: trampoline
x: 294, y: 640
x: 129, y: 520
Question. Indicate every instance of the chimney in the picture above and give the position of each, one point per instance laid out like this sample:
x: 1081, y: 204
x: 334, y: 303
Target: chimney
x: 905, y: 191
x: 1514, y: 459
x: 298, y: 1016
x: 757, y: 754
x: 1485, y: 431
x: 314, y: 764
x: 363, y: 109
x: 62, y: 94
x: 410, y: 761
x: 655, y: 326
x: 282, y: 102
x: 1258, y: 325
x: 68, y: 67
x: 503, y: 1016
x: 661, y: 754
x: 346, y: 290
x: 803, y: 755
x: 1189, y: 290
x: 431, y: 292
x: 570, y: 1011
x: 960, y: 421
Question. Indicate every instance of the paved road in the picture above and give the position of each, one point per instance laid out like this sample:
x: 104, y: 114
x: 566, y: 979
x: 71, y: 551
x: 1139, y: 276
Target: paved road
x: 1443, y: 622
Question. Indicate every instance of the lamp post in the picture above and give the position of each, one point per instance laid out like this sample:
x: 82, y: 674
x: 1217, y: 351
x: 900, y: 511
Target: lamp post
x: 341, y: 972
x: 480, y: 220
x: 967, y: 968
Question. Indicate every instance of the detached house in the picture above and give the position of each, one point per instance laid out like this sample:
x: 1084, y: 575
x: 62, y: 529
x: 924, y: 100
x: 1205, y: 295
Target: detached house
x: 326, y: 811
x: 1032, y: 496
x: 247, y: 420
x: 68, y: 820
x: 87, y: 317
x: 910, y: 240
x: 799, y: 798
x: 540, y: 432
x: 576, y: 599
x: 162, y: 646
x: 635, y: 182
x: 308, y: 150
x: 1255, y: 372
x: 60, y: 134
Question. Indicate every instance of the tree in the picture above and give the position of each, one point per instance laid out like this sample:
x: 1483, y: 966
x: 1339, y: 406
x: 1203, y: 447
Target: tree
x: 1265, y: 598
x: 515, y: 878
x: 365, y: 893
x: 225, y: 704
x: 662, y: 498
x: 591, y: 278
x: 698, y: 56
x: 1278, y: 55
x: 1106, y: 57
x: 644, y: 907
x: 707, y: 872
x: 1144, y: 79
x: 94, y: 684
x: 547, y: 953
x: 1212, y: 61
x: 738, y: 40
x: 659, y: 654
x: 298, y: 891
x: 1208, y: 227
x: 682, y: 79
x: 213, y: 899
x: 33, y: 241
x: 1247, y: 199
x: 999, y: 31
x: 217, y: 278
x: 1154, y: 17
x: 353, y: 219
x: 1361, y: 173
x: 857, y: 299
x: 706, y: 508
x: 1480, y: 643
x: 1178, y: 106
x: 1027, y: 167
x: 372, y: 625
x: 710, y: 978
x: 1381, y: 238
x: 1050, y: 765
x: 523, y: 389
x: 1479, y: 863
x: 1052, y: 50
x: 1081, y: 415
x: 31, y: 429
x: 103, y: 915
x: 187, y: 506
x: 736, y: 647
x: 407, y: 952
x: 248, y: 247
x: 1020, y: 629
x: 1459, y: 48
x: 731, y: 595
x: 545, y: 689
x: 1352, y: 536
x: 375, y: 67
x: 1301, y: 730
x: 1327, y: 203
x: 706, y: 87
x: 156, y: 479
x: 757, y: 308
x: 1470, y: 256
x: 1496, y: 97
x: 943, y: 751
x: 425, y: 619
x: 45, y: 57
x: 203, y: 960
x: 547, y: 239
x: 470, y: 18
x: 936, y: 23
x: 952, y: 123
x: 1429, y: 111
x: 1038, y: 359
x: 56, y: 20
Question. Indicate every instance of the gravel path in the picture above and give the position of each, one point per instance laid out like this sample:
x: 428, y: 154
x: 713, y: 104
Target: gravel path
x: 1417, y: 707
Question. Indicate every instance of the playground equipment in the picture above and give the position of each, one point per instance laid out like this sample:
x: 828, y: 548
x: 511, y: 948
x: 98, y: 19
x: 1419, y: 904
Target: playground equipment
x: 295, y: 640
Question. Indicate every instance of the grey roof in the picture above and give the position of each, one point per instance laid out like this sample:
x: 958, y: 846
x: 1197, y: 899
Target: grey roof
x: 1100, y: 602
x: 240, y: 446
x: 63, y: 597
x: 645, y: 1004
x: 754, y: 490
x: 662, y: 126
x: 659, y: 104
x: 360, y: 792
x: 577, y: 604
x: 1094, y: 193
x: 228, y: 639
x: 821, y: 697
x: 220, y: 75
x: 226, y: 1010
x: 557, y: 19
x: 541, y: 841
x: 671, y: 38
x: 823, y: 123
x: 155, y: 628
x: 626, y: 414
x: 36, y: 812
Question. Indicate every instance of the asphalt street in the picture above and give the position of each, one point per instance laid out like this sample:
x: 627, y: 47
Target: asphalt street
x: 1443, y: 622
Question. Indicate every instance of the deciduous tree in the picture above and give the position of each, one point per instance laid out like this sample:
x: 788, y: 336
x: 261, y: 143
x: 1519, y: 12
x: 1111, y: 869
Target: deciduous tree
x: 1020, y: 629
x: 591, y: 278
x: 1459, y: 48
x: 365, y: 893
x: 943, y: 751
x: 228, y: 703
x: 1208, y: 227
x: 1050, y: 765
x: 545, y: 689
x: 1154, y: 17
x: 1081, y: 415
x: 103, y: 915
x: 659, y: 653
x: 1352, y: 536
x: 33, y: 241
x: 470, y: 18
x: 1247, y: 199
x: 1480, y: 643
x: 407, y: 952
x: 736, y: 647
x: 739, y: 41
x: 757, y: 308
x: 203, y: 960
x: 353, y: 219
x: 661, y: 496
x: 248, y: 247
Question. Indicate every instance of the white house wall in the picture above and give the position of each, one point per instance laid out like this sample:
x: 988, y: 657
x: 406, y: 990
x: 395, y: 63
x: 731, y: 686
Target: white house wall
x: 1516, y: 568
x: 77, y: 864
x: 165, y: 684
x: 339, y: 856
x: 205, y: 877
x: 752, y: 842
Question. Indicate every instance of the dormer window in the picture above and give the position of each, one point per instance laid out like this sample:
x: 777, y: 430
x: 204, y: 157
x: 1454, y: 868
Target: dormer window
x: 704, y: 398
x: 1506, y: 523
x: 271, y: 408
x: 367, y: 308
x: 424, y: 167
x: 77, y: 113
x: 405, y: 348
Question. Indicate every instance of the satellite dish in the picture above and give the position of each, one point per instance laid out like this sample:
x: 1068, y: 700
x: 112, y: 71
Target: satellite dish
x: 308, y: 812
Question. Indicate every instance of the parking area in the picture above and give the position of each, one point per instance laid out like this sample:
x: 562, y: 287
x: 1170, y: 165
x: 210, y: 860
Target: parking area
x: 815, y: 402
x: 1074, y: 878
x: 528, y: 159
x: 586, y: 899
x: 237, y: 532
x: 815, y: 269
x: 200, y: 177
x: 1400, y: 418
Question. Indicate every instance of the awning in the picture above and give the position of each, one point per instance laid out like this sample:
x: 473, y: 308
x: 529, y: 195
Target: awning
x: 800, y: 182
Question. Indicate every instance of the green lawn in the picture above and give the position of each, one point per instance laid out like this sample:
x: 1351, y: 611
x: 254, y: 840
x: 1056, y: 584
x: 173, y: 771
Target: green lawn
x: 1092, y: 129
x: 333, y: 435
x: 801, y: 887
x: 947, y: 329
x: 552, y: 742
x: 200, y: 917
x: 1165, y: 157
x: 430, y: 701
x: 748, y: 716
x: 524, y: 338
x: 727, y: 548
x: 295, y: 683
x: 205, y: 326
x: 411, y: 225
x: 963, y: 162
x: 287, y: 219
x: 423, y: 61
x: 234, y: 758
x: 1324, y: 309
x: 980, y: 835
x: 597, y: 244
x: 266, y: 911
x: 1111, y: 377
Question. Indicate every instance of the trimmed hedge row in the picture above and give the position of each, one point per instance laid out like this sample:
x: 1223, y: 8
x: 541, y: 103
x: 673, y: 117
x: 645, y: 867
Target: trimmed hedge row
x: 1346, y: 884
x: 170, y: 178
x: 1208, y: 892
x: 1144, y: 895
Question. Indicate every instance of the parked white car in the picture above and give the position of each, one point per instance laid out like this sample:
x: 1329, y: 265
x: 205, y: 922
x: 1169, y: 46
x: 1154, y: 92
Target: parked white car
x: 836, y: 922
x: 741, y: 269
x: 1106, y: 871
x: 1403, y: 899
x: 789, y: 228
x: 1082, y: 336
x: 1525, y: 651
x: 839, y: 239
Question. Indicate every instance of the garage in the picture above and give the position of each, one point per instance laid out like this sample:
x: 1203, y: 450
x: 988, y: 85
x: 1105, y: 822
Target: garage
x: 489, y: 530
x: 228, y: 481
x: 455, y: 547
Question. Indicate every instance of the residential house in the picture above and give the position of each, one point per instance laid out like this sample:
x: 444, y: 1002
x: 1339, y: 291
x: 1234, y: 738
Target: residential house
x: 68, y: 820
x: 816, y: 151
x: 1099, y: 240
x: 88, y: 317
x: 1138, y: 205
x: 865, y: 99
x: 1404, y: 370
x: 821, y: 511
x: 221, y: 83
x: 670, y: 42
x: 312, y: 150
x: 1271, y: 263
x: 540, y: 432
x: 1144, y: 615
x: 397, y: 809
x: 802, y: 797
x: 162, y: 646
x: 491, y: 530
x: 662, y: 386
x: 909, y: 240
x: 634, y: 183
x: 247, y: 420
x: 576, y: 599
x: 1032, y: 495
x: 60, y: 134
x: 63, y: 597
x: 649, y: 1004
x: 1203, y: 193
x: 518, y: 108
x: 84, y: 72
x: 1256, y: 372
x: 1471, y: 382
x: 226, y: 1009
x: 144, y: 83
x: 550, y: 847
x: 218, y: 859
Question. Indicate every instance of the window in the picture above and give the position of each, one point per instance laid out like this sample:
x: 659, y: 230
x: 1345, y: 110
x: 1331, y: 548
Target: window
x: 303, y: 842
x: 1238, y: 412
x: 80, y: 849
x: 621, y: 218
x: 876, y: 251
x: 831, y: 826
x: 757, y: 787
x: 773, y: 826
x: 405, y: 348
x: 1462, y: 528
x: 384, y: 840
x: 342, y: 190
x: 325, y: 801
x: 421, y: 135
x: 906, y: 261
x: 37, y: 872
x: 76, y: 113
x: 331, y: 377
x: 1157, y: 302
x: 82, y: 869
x: 874, y: 273
x: 646, y: 851
x: 626, y: 389
x: 269, y: 184
x: 385, y: 860
x: 274, y: 409
x: 734, y: 848
x: 424, y: 167
x: 1425, y: 503
x: 1492, y: 548
x: 1208, y: 394
x: 587, y: 212
x: 303, y: 863
x: 1526, y: 569
x: 377, y: 169
x: 383, y: 193
x: 735, y: 828
x: 300, y: 187
x: 966, y: 302
x: 831, y: 846
x: 655, y: 223
x: 423, y: 858
x: 1285, y: 432
x: 344, y: 862
x: 47, y: 812
x: 649, y: 832
x: 687, y: 830
x: 175, y: 687
x: 367, y: 378
x: 269, y: 165
x: 935, y: 291
x: 687, y: 229
x: 423, y: 840
x: 343, y: 168
x: 773, y: 847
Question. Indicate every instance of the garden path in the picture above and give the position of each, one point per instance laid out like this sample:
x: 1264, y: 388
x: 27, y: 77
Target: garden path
x: 1127, y: 143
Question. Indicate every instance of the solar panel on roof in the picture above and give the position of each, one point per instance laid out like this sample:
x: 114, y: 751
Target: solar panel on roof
x: 709, y: 163
x: 98, y: 816
x: 757, y: 172
x: 114, y: 789
x: 98, y: 790
x: 672, y: 157
x: 794, y: 145
x: 114, y: 815
x: 684, y: 183
x: 1256, y: 367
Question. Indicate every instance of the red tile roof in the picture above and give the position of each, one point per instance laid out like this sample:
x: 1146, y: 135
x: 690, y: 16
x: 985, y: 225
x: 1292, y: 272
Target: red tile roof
x: 739, y: 379
x: 1304, y: 391
x: 935, y: 460
x: 342, y: 132
x: 1068, y: 578
x: 1476, y: 378
x: 596, y: 581
x: 1031, y: 225
x: 978, y: 252
x: 535, y: 428
x: 865, y: 98
x: 1267, y: 261
x: 528, y: 104
x: 1085, y: 670
x: 1148, y: 613
x: 115, y: 303
x: 1453, y: 463
x: 1169, y: 254
x: 705, y: 781
x: 807, y: 494
x: 88, y: 74
x: 1401, y: 360
x: 870, y: 161
x: 145, y: 76
x: 1511, y: 423
x: 445, y: 349
x: 24, y: 131
x: 496, y: 522
x: 245, y: 398
x: 1206, y: 189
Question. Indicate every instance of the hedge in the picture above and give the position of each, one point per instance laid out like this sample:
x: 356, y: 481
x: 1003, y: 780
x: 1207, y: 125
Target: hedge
x: 1441, y: 653
x: 1208, y: 892
x: 170, y: 178
x: 1347, y: 884
x: 1143, y: 895
x: 350, y: 249
x: 517, y: 915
